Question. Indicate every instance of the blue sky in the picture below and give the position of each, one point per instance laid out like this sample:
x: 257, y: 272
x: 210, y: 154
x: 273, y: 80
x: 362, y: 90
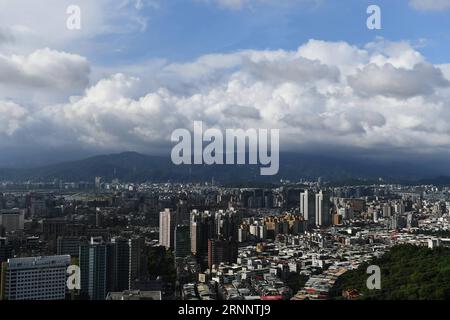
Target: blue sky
x: 181, y: 30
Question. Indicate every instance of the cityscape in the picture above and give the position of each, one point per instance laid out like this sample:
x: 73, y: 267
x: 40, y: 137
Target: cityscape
x: 224, y: 158
x: 204, y: 241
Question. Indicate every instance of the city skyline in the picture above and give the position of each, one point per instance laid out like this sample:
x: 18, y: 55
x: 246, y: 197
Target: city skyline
x: 302, y: 240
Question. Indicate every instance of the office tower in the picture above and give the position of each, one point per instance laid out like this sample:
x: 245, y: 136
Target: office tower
x: 182, y: 241
x: 35, y: 278
x: 166, y: 228
x: 118, y: 265
x: 93, y: 268
x: 137, y: 259
x: 12, y: 219
x: 307, y: 208
x: 202, y: 229
x: 68, y: 246
x: 323, y: 217
x: 221, y: 251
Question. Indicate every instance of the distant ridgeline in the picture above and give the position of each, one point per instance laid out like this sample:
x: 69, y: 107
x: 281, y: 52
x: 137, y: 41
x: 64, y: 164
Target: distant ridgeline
x: 408, y: 272
x: 135, y: 167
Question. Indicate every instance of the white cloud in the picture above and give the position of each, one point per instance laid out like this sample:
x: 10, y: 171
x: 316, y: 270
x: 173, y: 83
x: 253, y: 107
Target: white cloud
x: 12, y: 117
x: 45, y: 68
x: 37, y: 24
x: 389, y: 81
x: 375, y: 97
x: 43, y: 76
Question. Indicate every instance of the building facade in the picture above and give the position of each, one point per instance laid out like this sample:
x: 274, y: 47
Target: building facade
x: 35, y: 278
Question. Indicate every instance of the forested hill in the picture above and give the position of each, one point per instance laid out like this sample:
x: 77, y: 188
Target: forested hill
x: 407, y: 273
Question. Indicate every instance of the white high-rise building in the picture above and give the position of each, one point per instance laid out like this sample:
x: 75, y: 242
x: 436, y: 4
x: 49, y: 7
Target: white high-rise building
x: 323, y: 217
x: 35, y: 278
x: 307, y: 207
x: 166, y: 228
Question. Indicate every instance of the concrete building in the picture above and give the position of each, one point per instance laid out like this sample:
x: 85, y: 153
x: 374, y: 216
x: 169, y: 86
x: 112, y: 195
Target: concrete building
x: 182, y: 241
x: 35, y: 278
x: 166, y: 228
x: 323, y: 216
x: 12, y: 219
x: 221, y: 251
x: 307, y: 207
x: 118, y: 255
x: 93, y: 268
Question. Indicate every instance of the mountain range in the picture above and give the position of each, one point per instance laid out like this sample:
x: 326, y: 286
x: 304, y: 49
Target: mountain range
x: 136, y: 167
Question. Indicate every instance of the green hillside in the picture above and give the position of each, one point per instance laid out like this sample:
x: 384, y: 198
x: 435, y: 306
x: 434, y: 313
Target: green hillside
x: 407, y: 273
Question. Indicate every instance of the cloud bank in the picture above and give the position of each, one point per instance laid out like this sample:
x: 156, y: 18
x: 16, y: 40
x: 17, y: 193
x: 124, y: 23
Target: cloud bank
x: 382, y: 98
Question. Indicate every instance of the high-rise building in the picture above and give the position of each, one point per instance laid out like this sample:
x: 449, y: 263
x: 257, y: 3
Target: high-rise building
x: 307, y: 207
x: 93, y: 268
x: 182, y: 241
x: 137, y: 259
x: 166, y: 228
x: 118, y: 265
x: 387, y: 210
x: 195, y: 234
x: 219, y: 251
x: 323, y: 216
x: 35, y: 278
x: 202, y: 228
